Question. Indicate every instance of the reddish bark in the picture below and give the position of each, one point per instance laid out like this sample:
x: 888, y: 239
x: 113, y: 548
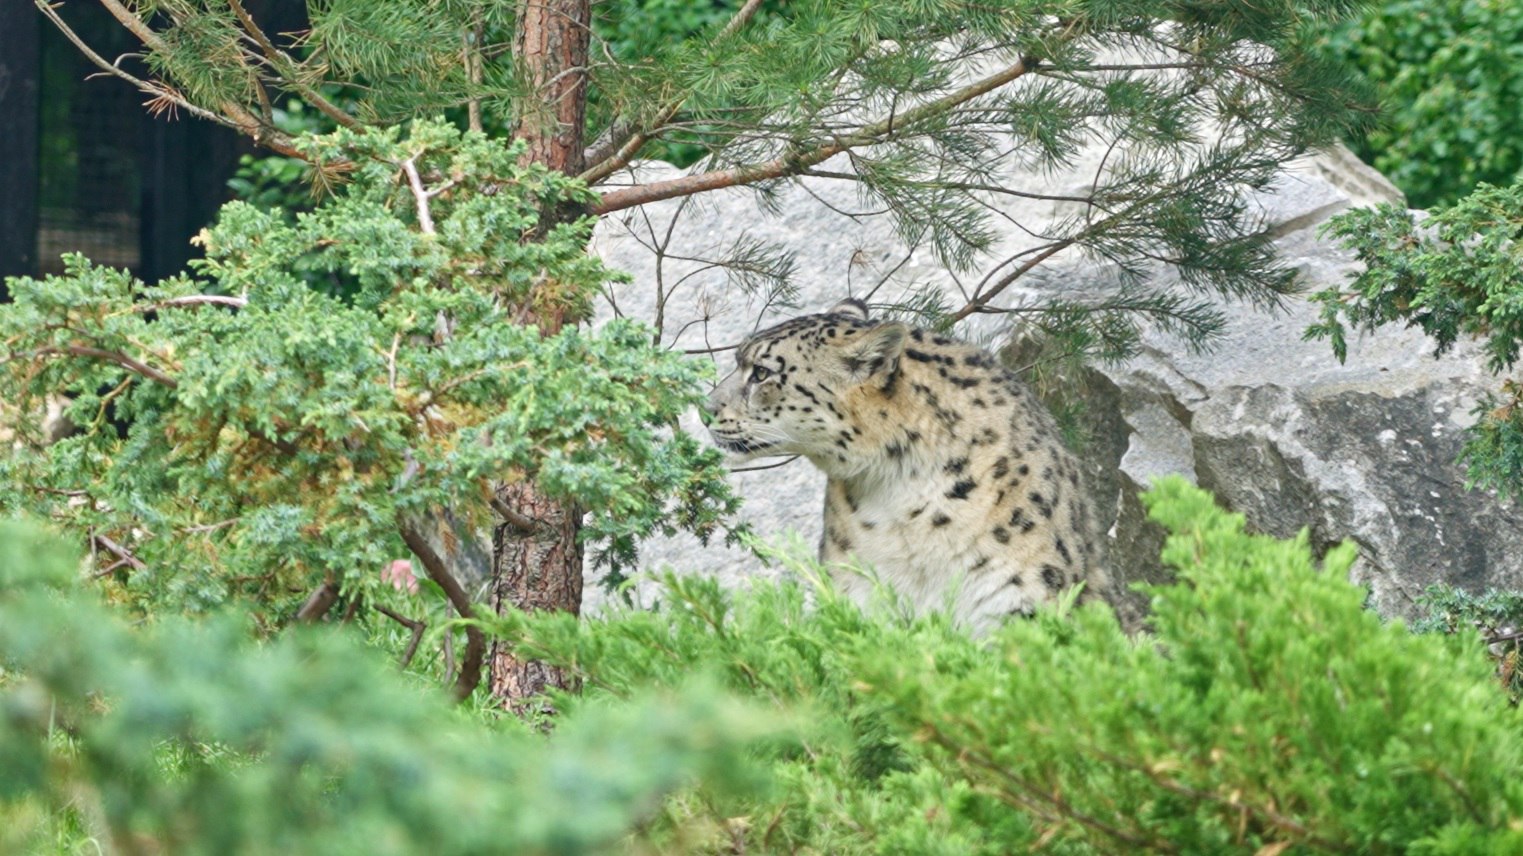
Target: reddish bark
x: 551, y: 46
x: 537, y: 570
x: 537, y: 561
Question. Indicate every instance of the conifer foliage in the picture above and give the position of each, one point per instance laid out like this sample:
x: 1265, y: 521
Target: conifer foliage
x: 1268, y: 713
x: 921, y: 105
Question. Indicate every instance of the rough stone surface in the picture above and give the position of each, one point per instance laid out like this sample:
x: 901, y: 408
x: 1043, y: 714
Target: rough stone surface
x: 1274, y: 425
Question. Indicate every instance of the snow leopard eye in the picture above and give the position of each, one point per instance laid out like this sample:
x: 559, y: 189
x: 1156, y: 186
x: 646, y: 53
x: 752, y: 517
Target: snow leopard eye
x: 760, y: 373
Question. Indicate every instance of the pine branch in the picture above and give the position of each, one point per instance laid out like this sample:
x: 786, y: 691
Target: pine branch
x: 158, y: 92
x: 232, y: 114
x: 794, y: 163
x: 286, y: 67
x: 617, y: 146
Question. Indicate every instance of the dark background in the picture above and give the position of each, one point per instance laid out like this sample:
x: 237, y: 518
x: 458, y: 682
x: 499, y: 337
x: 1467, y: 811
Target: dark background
x: 84, y: 167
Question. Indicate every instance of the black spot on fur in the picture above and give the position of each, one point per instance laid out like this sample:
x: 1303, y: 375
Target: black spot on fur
x: 956, y: 465
x: 1052, y: 577
x: 917, y: 512
x: 1002, y: 535
x: 1062, y: 549
x: 982, y: 561
x: 1041, y: 504
x: 961, y: 489
x: 940, y: 519
x: 1020, y: 520
x: 1001, y: 468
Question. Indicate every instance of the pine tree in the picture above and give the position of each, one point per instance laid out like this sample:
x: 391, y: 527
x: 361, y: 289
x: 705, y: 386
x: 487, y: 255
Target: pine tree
x: 917, y: 102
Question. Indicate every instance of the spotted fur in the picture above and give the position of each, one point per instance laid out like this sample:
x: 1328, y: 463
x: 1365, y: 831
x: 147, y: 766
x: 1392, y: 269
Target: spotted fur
x: 945, y: 473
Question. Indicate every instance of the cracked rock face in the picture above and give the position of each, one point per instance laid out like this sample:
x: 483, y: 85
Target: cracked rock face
x: 1275, y: 426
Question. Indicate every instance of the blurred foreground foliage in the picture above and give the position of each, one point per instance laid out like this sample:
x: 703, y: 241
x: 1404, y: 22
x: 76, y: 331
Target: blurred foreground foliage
x: 188, y: 737
x: 1267, y: 711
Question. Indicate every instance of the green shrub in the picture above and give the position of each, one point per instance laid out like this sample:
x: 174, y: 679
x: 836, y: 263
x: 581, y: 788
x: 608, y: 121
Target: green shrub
x: 1454, y: 276
x: 1266, y: 711
x: 1450, y: 76
x: 277, y: 434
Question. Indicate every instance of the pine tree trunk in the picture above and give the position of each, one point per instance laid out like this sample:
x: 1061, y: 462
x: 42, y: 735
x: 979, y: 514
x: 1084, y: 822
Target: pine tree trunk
x: 542, y: 569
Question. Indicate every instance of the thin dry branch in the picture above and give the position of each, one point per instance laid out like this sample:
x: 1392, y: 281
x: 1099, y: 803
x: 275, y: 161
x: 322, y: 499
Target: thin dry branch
x: 420, y: 194
x: 232, y: 114
x: 980, y: 300
x: 117, y: 357
x: 796, y: 162
x: 120, y: 552
x: 523, y: 525
x: 159, y: 93
x: 417, y: 627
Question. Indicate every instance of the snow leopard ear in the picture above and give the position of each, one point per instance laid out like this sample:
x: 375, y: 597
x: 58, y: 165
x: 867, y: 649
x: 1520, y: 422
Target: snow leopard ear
x: 876, y: 350
x: 851, y: 307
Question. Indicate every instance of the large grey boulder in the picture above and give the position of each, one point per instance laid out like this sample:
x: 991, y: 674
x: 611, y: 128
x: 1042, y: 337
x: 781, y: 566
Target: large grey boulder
x: 1363, y: 451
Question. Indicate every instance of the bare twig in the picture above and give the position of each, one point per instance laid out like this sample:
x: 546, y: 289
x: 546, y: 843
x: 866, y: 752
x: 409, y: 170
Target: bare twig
x: 622, y: 141
x: 210, y: 527
x: 147, y: 88
x: 981, y: 300
x: 523, y: 525
x: 433, y: 564
x: 117, y: 357
x: 234, y: 113
x: 120, y: 552
x: 420, y: 194
x: 289, y: 69
x: 417, y: 627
